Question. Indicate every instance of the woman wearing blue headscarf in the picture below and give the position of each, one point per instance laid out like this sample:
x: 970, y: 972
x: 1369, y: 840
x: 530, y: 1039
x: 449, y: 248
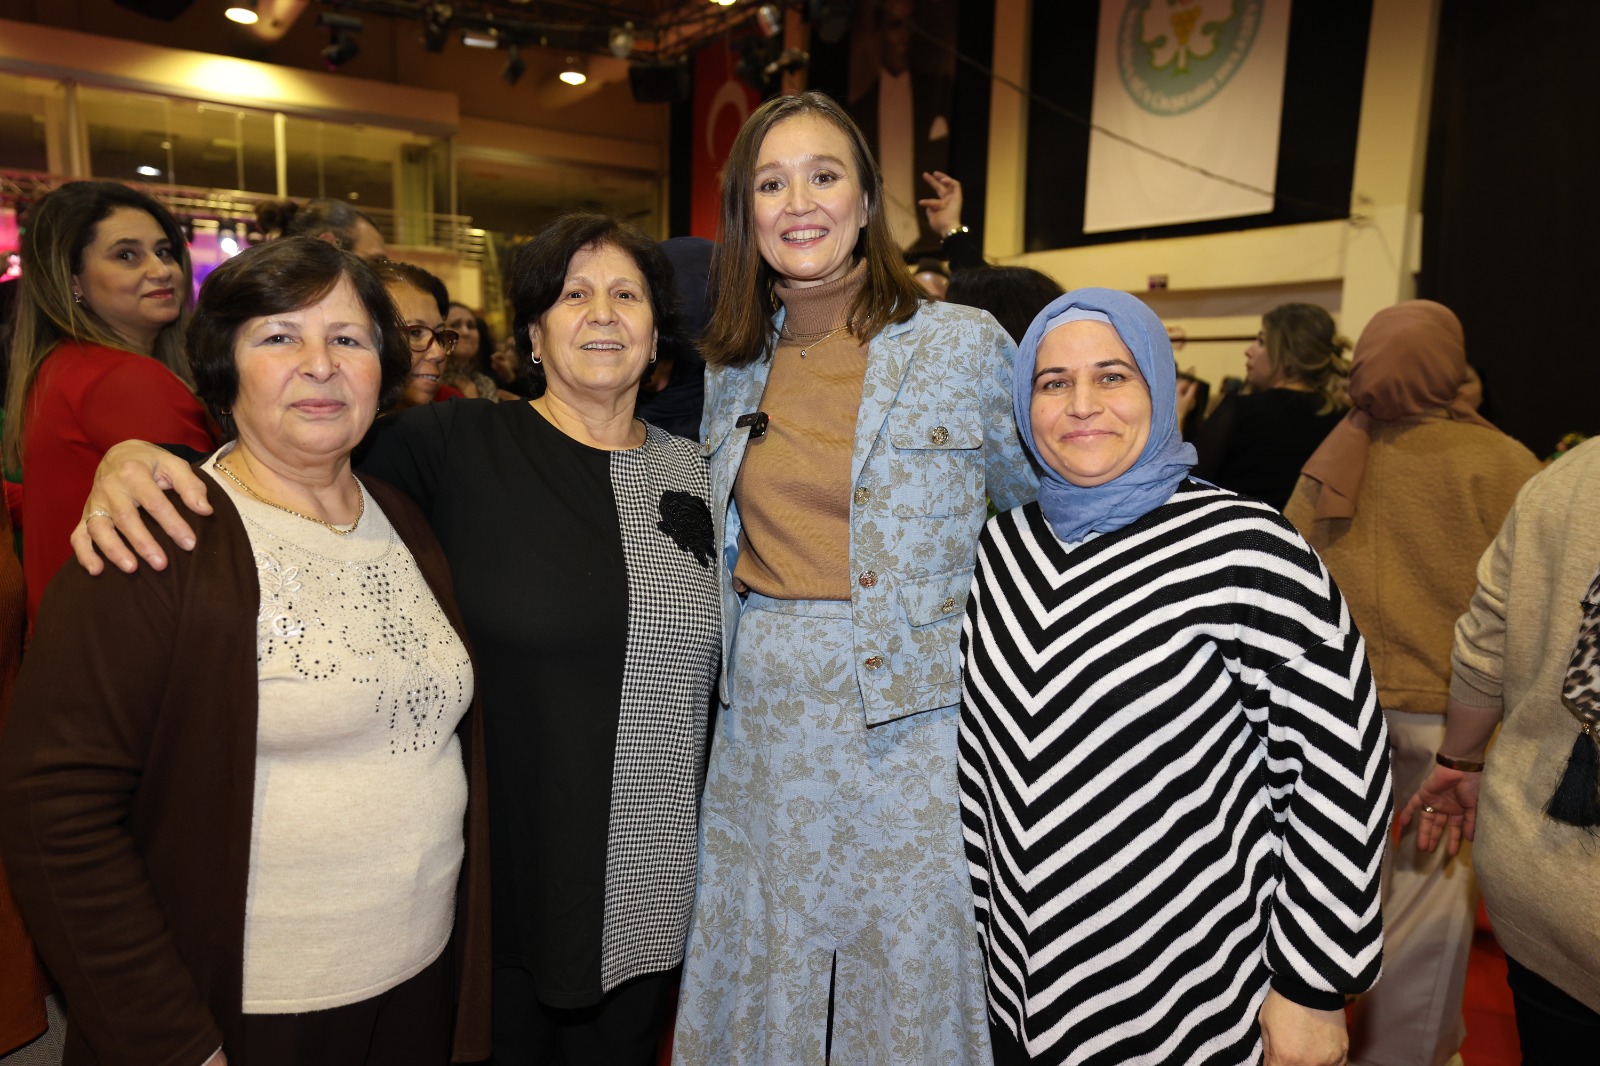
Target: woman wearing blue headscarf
x: 1174, y: 773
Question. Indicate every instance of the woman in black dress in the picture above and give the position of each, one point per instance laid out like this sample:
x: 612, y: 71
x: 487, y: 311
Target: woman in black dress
x: 595, y: 656
x: 1256, y: 443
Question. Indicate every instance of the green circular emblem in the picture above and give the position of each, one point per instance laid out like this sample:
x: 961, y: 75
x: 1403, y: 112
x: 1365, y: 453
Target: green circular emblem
x: 1174, y: 55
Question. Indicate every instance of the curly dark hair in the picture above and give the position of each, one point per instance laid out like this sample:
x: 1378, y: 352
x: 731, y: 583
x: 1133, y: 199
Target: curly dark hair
x: 270, y: 279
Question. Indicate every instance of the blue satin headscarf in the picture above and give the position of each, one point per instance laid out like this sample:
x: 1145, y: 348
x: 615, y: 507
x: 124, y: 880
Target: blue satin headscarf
x: 1072, y: 510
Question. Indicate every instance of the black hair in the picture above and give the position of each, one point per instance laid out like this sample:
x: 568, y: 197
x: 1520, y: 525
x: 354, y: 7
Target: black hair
x: 539, y: 270
x: 1013, y: 295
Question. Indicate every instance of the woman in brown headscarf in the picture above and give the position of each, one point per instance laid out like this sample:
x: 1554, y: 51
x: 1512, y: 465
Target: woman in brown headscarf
x: 1400, y: 501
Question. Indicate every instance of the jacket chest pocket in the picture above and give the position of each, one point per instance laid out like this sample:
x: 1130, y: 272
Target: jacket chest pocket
x: 934, y: 461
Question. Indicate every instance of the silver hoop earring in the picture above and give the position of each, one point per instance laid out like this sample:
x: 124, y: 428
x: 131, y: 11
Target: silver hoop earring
x: 536, y: 360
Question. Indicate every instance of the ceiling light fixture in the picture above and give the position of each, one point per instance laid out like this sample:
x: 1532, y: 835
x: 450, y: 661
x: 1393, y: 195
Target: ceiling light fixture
x: 243, y: 12
x: 436, y: 27
x: 724, y: 3
x: 148, y: 171
x: 769, y: 19
x: 342, y: 43
x: 575, y: 71
x: 620, y: 40
x: 480, y: 38
x: 514, y: 67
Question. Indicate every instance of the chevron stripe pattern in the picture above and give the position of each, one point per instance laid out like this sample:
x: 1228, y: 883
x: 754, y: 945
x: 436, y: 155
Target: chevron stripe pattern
x: 1175, y: 782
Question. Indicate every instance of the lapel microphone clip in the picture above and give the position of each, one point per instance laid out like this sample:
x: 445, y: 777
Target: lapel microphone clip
x: 756, y: 422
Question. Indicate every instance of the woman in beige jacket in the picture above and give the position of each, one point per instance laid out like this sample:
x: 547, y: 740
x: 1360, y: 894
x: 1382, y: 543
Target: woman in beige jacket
x: 1400, y: 501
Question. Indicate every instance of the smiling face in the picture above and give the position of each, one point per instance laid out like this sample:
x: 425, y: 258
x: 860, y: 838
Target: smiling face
x: 308, y: 380
x: 129, y: 276
x: 809, y: 201
x: 1091, y: 407
x: 465, y: 323
x: 599, y: 335
x: 418, y: 308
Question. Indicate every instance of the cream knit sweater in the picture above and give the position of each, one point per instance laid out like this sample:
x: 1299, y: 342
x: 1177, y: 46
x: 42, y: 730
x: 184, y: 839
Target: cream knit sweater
x: 1540, y: 879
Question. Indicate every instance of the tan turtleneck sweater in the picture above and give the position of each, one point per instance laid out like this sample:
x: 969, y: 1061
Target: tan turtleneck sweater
x: 793, y: 488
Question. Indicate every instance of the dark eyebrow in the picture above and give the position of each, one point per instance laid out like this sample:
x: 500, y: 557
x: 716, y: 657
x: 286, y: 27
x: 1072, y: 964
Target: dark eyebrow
x: 807, y: 159
x: 1042, y: 371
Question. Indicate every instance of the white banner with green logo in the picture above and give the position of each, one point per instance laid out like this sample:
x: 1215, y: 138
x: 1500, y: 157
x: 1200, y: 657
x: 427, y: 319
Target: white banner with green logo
x: 1201, y: 83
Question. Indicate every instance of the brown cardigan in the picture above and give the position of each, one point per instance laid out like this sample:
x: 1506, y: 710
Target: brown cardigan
x: 127, y: 782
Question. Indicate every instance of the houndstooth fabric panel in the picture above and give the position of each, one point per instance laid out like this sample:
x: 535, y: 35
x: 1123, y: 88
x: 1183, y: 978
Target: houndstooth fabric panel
x: 674, y: 641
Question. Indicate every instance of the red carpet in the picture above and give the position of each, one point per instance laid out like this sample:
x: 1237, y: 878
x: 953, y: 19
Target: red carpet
x: 1491, y: 1027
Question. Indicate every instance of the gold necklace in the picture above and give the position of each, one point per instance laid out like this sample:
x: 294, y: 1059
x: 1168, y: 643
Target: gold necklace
x: 812, y: 338
x: 361, y: 503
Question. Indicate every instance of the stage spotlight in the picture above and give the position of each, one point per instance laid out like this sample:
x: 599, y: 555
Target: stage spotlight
x: 342, y: 48
x: 243, y: 12
x: 793, y: 59
x: 342, y: 43
x: 620, y: 40
x: 770, y: 20
x: 755, y: 56
x: 436, y: 26
x: 575, y: 71
x: 514, y: 67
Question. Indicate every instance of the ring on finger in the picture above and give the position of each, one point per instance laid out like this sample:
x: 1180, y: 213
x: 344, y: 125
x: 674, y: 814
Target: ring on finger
x: 97, y: 513
x: 1426, y: 809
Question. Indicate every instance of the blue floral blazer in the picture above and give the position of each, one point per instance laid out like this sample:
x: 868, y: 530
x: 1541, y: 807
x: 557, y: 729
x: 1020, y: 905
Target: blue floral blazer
x: 935, y: 439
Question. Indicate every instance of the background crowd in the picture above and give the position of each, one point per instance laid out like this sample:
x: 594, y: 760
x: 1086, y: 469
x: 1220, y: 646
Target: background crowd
x: 812, y: 655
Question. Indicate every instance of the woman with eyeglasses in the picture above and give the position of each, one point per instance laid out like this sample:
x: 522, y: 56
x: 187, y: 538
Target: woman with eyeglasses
x: 422, y: 302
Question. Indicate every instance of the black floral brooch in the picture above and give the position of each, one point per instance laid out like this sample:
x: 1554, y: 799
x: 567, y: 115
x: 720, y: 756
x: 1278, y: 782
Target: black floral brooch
x: 687, y: 520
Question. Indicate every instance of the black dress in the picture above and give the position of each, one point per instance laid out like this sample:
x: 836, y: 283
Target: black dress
x: 585, y: 580
x: 1256, y: 444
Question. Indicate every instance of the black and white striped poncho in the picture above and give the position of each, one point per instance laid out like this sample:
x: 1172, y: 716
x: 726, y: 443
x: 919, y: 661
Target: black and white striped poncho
x: 1174, y: 781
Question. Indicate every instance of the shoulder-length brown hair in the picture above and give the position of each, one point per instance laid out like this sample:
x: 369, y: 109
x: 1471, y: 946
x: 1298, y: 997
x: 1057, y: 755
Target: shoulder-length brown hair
x: 740, y: 330
x: 59, y: 227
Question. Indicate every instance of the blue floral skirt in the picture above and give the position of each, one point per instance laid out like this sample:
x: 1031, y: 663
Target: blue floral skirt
x: 831, y: 858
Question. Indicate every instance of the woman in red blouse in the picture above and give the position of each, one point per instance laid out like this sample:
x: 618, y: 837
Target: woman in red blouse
x: 97, y: 354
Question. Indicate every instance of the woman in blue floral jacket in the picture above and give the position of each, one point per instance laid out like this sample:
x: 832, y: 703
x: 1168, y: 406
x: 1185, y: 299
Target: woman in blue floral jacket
x: 854, y: 432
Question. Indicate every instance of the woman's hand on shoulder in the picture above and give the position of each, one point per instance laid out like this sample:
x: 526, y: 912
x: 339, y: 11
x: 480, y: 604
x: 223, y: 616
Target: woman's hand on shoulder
x: 132, y: 477
x: 1292, y: 1035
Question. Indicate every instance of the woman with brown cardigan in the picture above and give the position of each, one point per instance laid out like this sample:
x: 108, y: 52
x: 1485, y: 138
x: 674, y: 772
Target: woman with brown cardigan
x: 244, y: 795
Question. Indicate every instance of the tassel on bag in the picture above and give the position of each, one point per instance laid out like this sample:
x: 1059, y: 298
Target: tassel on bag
x: 1576, y: 800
